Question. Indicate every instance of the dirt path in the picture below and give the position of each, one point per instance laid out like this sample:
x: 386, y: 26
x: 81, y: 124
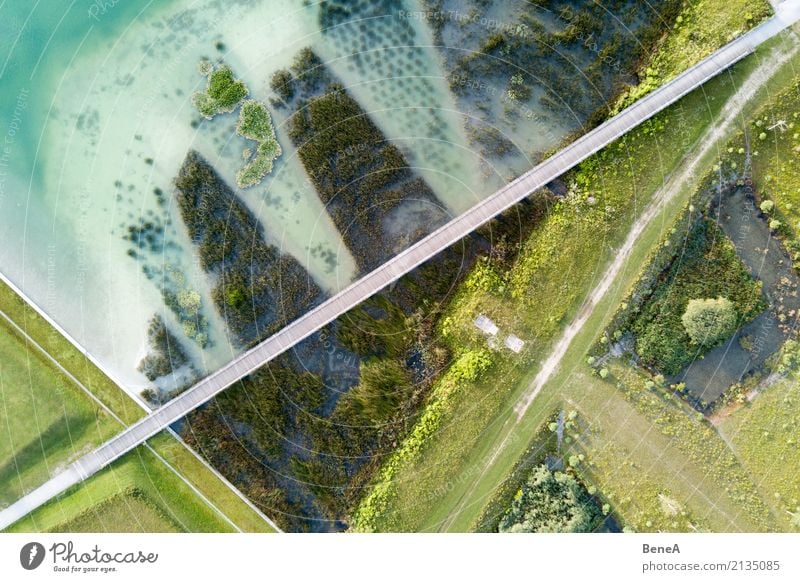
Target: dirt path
x: 729, y: 117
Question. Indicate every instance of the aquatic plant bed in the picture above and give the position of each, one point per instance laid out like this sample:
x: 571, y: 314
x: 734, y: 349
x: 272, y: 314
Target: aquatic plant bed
x: 258, y: 289
x: 223, y: 92
x: 255, y: 123
x: 301, y: 436
x: 376, y: 201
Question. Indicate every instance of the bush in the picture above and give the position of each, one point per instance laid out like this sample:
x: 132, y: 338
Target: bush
x: 470, y: 365
x: 709, y: 321
x: 550, y: 502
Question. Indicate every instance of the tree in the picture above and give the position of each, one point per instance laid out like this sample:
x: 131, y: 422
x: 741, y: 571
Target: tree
x: 550, y: 502
x: 709, y: 321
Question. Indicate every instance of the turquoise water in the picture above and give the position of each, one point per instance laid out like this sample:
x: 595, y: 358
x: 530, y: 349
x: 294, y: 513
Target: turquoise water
x: 96, y: 118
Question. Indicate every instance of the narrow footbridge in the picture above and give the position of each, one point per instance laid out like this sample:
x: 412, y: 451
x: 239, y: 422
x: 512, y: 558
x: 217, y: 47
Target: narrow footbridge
x: 786, y: 14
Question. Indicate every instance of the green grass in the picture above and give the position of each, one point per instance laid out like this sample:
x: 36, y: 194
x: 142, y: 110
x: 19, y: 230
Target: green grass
x: 776, y: 171
x: 765, y: 435
x: 701, y: 28
x: 477, y: 441
x: 72, y: 359
x: 68, y: 421
x: 127, y: 512
x: 705, y: 267
x: 212, y: 487
x: 730, y: 493
x: 45, y: 420
x: 102, y: 502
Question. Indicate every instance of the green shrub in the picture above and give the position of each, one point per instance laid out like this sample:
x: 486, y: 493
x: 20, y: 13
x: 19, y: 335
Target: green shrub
x: 551, y: 502
x: 470, y: 365
x: 709, y: 321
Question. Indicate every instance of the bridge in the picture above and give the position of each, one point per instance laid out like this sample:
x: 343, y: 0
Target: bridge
x: 786, y: 14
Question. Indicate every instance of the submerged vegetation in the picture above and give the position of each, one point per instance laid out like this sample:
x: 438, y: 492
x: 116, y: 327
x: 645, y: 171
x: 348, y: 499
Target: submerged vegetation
x: 258, y: 290
x: 363, y: 179
x: 166, y: 354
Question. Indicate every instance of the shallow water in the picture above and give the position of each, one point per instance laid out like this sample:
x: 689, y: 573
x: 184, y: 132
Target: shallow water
x: 97, y: 117
x: 766, y: 259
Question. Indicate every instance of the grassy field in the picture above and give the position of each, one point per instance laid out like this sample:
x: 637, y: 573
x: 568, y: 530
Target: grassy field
x: 69, y: 422
x: 725, y: 497
x: 765, y: 435
x: 68, y: 356
x: 475, y: 439
x: 774, y: 132
x: 113, y: 500
x: 199, y: 475
x: 45, y: 420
